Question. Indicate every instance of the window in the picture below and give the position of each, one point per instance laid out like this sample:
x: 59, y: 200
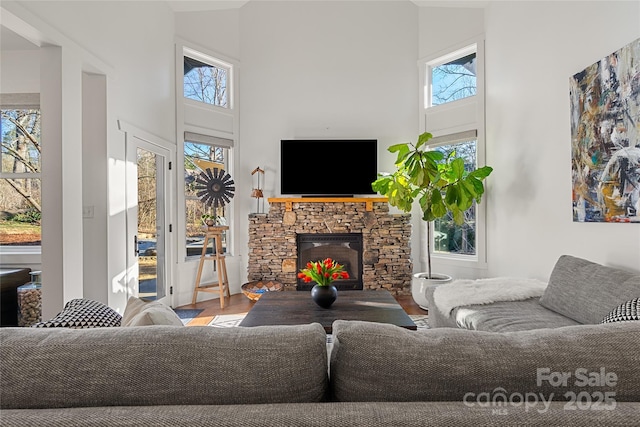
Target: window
x: 448, y: 236
x: 20, y: 189
x: 206, y: 79
x: 202, y: 152
x: 453, y: 80
x: 453, y: 111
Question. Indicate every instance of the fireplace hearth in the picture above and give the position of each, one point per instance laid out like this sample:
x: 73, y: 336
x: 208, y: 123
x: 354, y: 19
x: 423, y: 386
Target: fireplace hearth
x: 344, y: 248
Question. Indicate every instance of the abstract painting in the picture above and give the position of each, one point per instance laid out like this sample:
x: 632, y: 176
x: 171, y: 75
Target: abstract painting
x: 605, y: 138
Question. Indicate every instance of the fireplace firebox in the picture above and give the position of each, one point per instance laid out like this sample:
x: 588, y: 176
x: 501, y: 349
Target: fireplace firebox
x: 344, y: 248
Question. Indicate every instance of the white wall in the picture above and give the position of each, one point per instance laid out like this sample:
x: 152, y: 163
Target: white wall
x: 132, y: 45
x: 323, y: 70
x: 533, y: 48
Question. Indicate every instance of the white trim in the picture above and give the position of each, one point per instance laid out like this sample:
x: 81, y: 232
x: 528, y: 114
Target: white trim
x: 144, y: 135
x: 150, y: 141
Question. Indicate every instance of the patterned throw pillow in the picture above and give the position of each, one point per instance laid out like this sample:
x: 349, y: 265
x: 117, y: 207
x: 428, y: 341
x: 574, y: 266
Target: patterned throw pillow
x: 626, y: 311
x: 83, y: 313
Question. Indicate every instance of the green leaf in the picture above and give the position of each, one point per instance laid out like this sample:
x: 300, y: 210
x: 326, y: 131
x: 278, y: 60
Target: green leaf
x: 452, y: 195
x: 434, y: 155
x: 482, y: 172
x: 458, y: 216
x: 438, y: 209
x: 457, y: 167
x: 423, y: 138
x: 398, y: 147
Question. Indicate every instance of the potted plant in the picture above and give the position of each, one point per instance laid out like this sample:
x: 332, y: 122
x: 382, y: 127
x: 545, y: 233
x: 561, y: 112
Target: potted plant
x: 209, y: 220
x: 440, y: 183
x: 324, y: 293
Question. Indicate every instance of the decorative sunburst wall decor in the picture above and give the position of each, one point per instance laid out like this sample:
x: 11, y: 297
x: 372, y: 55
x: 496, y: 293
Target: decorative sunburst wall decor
x: 215, y: 188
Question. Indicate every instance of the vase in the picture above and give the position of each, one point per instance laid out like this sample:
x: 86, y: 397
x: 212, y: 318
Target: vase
x: 421, y: 283
x: 324, y: 296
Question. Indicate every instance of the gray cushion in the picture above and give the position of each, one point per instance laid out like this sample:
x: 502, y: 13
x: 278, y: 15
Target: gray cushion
x: 83, y: 313
x: 334, y: 414
x: 381, y: 362
x: 509, y: 316
x: 586, y: 291
x: 161, y: 365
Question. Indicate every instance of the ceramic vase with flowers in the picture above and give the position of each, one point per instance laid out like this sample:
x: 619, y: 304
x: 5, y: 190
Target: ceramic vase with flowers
x: 323, y: 273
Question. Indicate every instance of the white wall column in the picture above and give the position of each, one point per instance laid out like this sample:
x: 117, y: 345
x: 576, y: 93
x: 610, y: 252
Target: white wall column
x: 61, y: 102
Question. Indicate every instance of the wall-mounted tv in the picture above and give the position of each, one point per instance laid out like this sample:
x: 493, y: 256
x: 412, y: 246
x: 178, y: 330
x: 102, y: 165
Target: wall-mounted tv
x: 328, y: 167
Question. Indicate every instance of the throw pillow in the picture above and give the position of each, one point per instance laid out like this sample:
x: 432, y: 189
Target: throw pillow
x: 83, y: 313
x: 147, y: 313
x: 626, y: 311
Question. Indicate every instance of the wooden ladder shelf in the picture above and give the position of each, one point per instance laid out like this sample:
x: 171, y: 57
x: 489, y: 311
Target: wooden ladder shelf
x: 222, y: 284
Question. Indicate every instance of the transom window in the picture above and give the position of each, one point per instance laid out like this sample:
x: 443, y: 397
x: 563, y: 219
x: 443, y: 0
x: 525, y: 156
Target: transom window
x: 206, y: 79
x: 20, y: 179
x: 453, y: 77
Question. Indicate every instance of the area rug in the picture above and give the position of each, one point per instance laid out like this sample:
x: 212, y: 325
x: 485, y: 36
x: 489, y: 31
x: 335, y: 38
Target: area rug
x: 187, y: 314
x: 232, y: 320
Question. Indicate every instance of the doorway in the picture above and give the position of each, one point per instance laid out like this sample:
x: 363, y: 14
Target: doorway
x: 147, y: 220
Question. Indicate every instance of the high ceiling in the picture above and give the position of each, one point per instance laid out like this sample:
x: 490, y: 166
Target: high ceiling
x: 12, y: 41
x: 195, y: 5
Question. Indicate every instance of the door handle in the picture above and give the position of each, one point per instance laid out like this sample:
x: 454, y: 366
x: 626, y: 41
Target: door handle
x: 136, y: 251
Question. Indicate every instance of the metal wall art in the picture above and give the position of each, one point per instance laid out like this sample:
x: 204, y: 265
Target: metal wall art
x: 214, y: 188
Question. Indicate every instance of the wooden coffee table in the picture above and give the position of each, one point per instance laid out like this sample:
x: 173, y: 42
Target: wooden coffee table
x: 297, y: 308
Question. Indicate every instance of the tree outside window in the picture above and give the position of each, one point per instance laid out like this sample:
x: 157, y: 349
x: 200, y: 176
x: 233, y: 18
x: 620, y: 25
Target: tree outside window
x: 20, y: 189
x: 453, y: 80
x: 205, y: 82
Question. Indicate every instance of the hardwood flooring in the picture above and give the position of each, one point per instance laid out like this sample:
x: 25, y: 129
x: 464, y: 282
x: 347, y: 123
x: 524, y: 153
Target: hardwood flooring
x: 241, y: 304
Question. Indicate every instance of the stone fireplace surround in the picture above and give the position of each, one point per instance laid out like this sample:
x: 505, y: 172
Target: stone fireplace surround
x: 386, y: 247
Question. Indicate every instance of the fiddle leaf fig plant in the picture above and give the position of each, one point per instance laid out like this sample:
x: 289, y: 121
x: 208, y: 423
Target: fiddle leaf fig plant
x: 440, y: 184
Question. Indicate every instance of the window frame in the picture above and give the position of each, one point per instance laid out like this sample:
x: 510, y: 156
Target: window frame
x: 210, y: 121
x: 214, y: 62
x: 450, y: 123
x: 21, y: 101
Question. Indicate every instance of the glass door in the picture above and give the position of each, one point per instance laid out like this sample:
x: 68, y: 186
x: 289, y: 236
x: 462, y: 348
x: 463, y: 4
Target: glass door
x: 147, y: 222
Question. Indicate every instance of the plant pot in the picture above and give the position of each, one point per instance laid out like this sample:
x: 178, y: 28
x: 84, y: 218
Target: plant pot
x: 421, y: 283
x: 324, y: 296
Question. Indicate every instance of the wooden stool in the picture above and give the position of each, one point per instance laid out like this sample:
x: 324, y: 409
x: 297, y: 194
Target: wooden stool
x: 222, y: 285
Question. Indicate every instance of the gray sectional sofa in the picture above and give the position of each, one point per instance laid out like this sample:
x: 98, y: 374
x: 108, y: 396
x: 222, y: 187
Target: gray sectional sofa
x: 376, y: 374
x: 578, y: 292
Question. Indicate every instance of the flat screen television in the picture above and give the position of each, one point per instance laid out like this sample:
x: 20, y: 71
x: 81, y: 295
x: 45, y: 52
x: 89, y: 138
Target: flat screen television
x: 328, y: 167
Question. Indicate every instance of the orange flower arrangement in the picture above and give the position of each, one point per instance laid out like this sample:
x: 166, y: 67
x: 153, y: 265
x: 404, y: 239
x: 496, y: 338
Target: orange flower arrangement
x: 323, y: 272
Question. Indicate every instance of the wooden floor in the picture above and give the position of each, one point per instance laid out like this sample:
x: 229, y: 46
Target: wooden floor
x: 241, y: 304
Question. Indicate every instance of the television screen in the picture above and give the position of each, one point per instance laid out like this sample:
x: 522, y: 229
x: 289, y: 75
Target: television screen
x: 328, y: 167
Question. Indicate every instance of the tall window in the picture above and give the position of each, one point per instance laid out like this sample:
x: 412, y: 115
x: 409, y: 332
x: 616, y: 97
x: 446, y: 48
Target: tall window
x: 448, y: 236
x: 20, y: 189
x: 454, y: 114
x: 206, y: 79
x: 201, y: 153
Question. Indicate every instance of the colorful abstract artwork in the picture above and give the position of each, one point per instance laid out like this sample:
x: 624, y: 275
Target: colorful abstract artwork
x: 605, y: 138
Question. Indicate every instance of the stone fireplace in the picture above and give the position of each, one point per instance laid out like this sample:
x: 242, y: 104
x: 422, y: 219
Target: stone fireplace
x: 385, y: 240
